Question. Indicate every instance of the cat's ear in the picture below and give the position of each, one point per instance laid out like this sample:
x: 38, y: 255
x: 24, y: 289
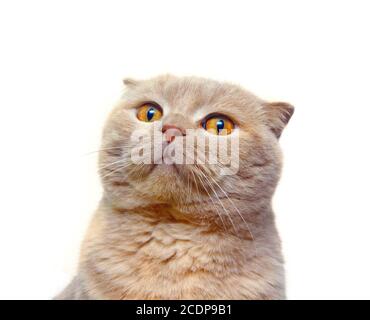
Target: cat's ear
x: 278, y: 115
x: 129, y: 82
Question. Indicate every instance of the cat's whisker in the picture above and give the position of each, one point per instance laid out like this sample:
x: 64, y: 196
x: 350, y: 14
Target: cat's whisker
x: 202, y: 157
x: 219, y: 200
x: 113, y: 163
x: 199, y: 197
x: 99, y: 150
x: 196, y: 185
x: 116, y: 170
x: 214, y: 205
x: 188, y: 188
x: 141, y: 168
x: 238, y: 211
x: 218, y: 164
x: 189, y: 193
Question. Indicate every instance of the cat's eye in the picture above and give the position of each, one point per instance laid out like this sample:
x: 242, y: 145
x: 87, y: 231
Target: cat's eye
x: 149, y: 112
x: 218, y: 124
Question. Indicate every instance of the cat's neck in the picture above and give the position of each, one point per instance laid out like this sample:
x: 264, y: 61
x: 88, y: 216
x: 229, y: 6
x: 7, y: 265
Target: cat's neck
x: 203, y: 217
x: 165, y: 225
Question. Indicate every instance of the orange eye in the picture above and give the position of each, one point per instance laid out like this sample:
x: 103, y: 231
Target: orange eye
x: 218, y: 125
x: 149, y: 113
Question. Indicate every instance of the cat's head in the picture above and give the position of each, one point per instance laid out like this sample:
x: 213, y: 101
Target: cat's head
x: 153, y: 115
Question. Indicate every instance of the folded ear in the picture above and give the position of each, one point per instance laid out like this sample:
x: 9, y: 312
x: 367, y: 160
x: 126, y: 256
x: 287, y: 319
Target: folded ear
x: 278, y: 115
x: 130, y: 82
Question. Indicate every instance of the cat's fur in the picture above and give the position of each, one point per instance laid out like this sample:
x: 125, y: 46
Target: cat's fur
x: 156, y: 235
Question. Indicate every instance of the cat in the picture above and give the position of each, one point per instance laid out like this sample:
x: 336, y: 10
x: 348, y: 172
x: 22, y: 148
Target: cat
x: 185, y: 231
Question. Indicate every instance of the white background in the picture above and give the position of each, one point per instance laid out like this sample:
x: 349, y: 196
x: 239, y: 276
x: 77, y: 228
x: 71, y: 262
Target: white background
x: 61, y: 65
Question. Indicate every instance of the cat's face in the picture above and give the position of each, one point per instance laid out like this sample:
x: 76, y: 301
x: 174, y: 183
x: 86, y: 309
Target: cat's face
x: 169, y: 107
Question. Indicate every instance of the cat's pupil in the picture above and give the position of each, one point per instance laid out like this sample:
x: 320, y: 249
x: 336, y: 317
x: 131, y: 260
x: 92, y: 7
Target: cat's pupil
x: 220, y: 125
x: 150, y: 113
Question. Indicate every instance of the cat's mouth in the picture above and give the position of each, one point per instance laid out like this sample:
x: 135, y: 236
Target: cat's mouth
x: 166, y: 155
x: 168, y: 169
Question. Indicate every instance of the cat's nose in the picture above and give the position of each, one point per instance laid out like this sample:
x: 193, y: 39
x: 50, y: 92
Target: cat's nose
x: 170, y: 132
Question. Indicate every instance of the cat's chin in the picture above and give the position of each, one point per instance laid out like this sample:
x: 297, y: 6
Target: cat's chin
x: 163, y: 174
x: 164, y: 182
x: 171, y: 169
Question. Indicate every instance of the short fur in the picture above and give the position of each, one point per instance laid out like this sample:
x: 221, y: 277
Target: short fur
x: 190, y: 233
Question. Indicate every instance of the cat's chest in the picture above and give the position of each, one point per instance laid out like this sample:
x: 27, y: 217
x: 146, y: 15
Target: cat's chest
x: 146, y: 260
x: 160, y: 259
x: 172, y: 249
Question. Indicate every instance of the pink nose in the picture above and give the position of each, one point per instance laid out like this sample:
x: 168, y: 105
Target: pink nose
x: 170, y: 132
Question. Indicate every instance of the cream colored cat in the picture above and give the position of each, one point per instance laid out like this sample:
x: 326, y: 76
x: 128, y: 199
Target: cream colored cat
x: 172, y: 231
